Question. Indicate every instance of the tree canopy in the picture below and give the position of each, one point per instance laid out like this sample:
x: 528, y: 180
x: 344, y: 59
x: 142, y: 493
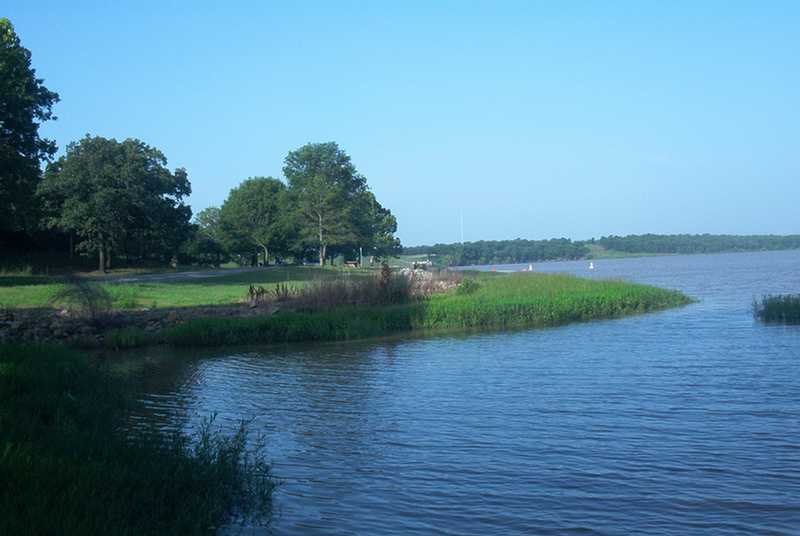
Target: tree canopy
x: 114, y: 195
x: 25, y: 103
x: 255, y: 216
x: 206, y: 242
x: 325, y: 187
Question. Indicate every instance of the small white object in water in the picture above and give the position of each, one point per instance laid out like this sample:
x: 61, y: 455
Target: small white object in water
x: 530, y: 267
x: 591, y: 265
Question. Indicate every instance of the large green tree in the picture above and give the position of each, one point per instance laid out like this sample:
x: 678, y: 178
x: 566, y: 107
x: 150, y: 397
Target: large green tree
x: 377, y: 226
x: 255, y: 215
x: 324, y: 186
x: 206, y: 242
x: 24, y: 104
x: 111, y: 193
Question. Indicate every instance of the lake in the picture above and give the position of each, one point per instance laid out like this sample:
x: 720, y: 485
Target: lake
x: 681, y: 422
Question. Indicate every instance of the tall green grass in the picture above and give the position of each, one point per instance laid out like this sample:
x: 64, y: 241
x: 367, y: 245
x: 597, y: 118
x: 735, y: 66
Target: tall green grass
x: 781, y: 308
x: 67, y: 465
x: 499, y: 302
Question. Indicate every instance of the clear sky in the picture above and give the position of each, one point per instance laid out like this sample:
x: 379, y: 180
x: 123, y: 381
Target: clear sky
x: 533, y: 119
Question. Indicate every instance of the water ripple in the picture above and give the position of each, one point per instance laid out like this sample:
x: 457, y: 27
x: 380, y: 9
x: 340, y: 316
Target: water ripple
x: 680, y: 422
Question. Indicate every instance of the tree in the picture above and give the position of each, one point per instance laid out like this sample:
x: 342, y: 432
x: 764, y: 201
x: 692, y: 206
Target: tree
x: 254, y: 216
x: 111, y: 193
x: 207, y: 221
x: 24, y: 103
x: 324, y: 185
x: 206, y: 242
x: 377, y: 226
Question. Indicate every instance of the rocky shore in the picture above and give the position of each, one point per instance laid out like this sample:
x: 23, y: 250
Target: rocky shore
x: 51, y: 325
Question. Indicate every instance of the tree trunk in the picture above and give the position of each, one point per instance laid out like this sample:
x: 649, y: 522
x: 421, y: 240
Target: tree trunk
x: 71, y: 244
x: 108, y: 258
x: 102, y: 258
x: 266, y: 256
x: 321, y: 243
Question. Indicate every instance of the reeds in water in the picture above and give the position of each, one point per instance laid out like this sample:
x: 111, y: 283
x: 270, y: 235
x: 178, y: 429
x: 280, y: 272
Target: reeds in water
x: 780, y: 308
x: 68, y: 465
x: 494, y: 302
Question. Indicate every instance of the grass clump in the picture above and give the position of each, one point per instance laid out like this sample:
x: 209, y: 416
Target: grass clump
x: 128, y: 337
x: 781, y: 308
x: 69, y: 467
x: 467, y: 286
x: 84, y: 298
x: 539, y: 300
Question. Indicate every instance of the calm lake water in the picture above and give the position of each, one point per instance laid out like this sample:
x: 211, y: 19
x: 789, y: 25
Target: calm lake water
x: 680, y: 422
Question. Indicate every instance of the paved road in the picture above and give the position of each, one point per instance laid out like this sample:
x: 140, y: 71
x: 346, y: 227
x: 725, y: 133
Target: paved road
x: 180, y: 276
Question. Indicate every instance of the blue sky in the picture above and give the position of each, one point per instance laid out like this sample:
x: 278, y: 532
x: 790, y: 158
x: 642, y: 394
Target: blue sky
x: 533, y: 119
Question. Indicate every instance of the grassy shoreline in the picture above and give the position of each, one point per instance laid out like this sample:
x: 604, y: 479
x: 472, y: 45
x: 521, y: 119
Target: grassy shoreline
x: 498, y: 302
x: 74, y: 469
x: 69, y: 466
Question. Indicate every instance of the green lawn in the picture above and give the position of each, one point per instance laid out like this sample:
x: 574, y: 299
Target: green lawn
x: 28, y: 291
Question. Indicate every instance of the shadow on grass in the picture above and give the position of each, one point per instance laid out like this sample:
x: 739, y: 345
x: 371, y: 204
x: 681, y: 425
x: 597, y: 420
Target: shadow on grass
x: 26, y: 280
x: 272, y: 275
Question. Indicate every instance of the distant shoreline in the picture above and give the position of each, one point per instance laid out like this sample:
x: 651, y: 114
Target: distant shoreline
x: 620, y: 257
x: 521, y: 251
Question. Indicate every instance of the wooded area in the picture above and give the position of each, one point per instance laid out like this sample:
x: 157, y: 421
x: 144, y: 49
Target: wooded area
x: 108, y: 202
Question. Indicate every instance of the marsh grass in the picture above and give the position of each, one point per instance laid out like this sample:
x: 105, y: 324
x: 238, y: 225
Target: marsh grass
x: 69, y: 467
x: 329, y: 294
x: 781, y: 308
x: 499, y: 302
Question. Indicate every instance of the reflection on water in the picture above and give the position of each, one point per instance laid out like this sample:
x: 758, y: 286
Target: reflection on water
x: 680, y: 422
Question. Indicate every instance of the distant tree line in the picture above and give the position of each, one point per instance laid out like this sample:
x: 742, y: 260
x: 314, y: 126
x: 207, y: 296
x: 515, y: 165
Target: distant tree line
x: 502, y: 251
x: 117, y: 202
x: 524, y: 251
x: 697, y: 243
